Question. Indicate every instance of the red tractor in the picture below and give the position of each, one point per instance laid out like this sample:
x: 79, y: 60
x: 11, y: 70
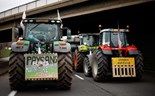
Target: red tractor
x: 114, y: 57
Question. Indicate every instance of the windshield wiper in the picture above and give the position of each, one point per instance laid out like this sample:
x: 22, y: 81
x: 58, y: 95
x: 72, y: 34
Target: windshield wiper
x: 33, y: 28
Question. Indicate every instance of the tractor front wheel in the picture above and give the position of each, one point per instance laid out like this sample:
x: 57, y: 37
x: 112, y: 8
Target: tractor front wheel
x: 86, y: 67
x: 65, y: 71
x: 17, y: 71
x: 78, y: 61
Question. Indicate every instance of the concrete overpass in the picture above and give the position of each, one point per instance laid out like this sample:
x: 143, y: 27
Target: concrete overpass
x: 86, y: 15
x: 68, y: 9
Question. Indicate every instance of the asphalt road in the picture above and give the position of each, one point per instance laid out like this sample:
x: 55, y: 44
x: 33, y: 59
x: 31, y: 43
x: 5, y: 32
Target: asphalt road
x: 85, y: 86
x: 4, y: 65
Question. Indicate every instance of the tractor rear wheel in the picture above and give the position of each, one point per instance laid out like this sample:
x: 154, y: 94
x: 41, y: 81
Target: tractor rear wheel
x: 17, y: 71
x: 139, y: 66
x: 99, y: 66
x: 65, y: 71
x: 86, y: 67
x: 78, y: 61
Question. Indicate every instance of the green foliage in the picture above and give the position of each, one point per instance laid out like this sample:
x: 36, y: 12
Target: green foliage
x: 5, y: 52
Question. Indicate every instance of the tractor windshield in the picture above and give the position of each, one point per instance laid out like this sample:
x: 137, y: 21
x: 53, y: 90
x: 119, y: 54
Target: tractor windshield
x: 118, y: 39
x: 41, y: 32
x: 90, y: 40
x: 114, y: 39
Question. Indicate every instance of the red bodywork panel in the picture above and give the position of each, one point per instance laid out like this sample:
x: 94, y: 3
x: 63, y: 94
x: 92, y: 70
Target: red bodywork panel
x: 126, y: 49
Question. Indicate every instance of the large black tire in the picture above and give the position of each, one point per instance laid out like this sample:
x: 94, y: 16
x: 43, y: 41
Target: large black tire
x: 99, y: 66
x: 139, y: 66
x: 78, y: 61
x: 73, y: 57
x: 17, y: 71
x: 87, y: 67
x: 65, y: 71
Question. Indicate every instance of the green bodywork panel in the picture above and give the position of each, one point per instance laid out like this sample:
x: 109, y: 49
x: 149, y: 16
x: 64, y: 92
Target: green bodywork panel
x: 85, y: 48
x: 41, y: 66
x: 25, y: 42
x: 88, y: 41
x: 57, y: 43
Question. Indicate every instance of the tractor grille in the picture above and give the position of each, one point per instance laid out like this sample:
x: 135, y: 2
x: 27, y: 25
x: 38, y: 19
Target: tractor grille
x: 44, y: 46
x: 123, y: 67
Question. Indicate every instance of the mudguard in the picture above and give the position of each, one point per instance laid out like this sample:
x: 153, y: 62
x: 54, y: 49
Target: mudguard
x: 61, y: 46
x: 19, y: 48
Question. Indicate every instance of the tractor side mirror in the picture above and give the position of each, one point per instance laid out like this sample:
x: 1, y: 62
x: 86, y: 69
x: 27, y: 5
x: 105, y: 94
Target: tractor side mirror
x: 16, y: 32
x: 68, y: 34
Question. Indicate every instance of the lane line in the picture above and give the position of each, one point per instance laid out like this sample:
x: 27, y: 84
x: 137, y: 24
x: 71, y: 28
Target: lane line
x: 12, y: 93
x: 79, y: 77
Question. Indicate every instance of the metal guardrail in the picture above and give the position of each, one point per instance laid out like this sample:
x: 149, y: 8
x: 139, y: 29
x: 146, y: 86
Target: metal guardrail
x: 27, y: 6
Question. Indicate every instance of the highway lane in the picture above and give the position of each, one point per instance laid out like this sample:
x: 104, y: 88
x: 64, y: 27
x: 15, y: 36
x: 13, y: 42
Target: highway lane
x: 4, y: 85
x: 85, y: 86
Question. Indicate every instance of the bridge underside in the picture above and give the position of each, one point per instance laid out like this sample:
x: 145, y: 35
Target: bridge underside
x: 6, y: 36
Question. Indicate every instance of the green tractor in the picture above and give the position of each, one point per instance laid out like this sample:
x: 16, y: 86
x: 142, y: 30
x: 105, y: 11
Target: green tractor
x: 88, y: 42
x: 115, y: 57
x: 40, y: 55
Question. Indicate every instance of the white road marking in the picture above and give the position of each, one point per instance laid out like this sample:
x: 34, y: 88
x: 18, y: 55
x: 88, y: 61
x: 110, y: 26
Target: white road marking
x: 79, y: 77
x: 12, y: 93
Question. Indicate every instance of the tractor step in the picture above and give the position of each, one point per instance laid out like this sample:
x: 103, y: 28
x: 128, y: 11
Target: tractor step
x: 123, y: 67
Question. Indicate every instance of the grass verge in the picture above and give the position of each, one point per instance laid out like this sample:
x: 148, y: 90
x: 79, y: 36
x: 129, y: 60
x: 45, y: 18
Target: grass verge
x: 5, y: 52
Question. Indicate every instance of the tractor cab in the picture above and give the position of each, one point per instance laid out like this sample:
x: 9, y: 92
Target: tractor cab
x: 115, y: 42
x: 42, y: 30
x: 114, y: 38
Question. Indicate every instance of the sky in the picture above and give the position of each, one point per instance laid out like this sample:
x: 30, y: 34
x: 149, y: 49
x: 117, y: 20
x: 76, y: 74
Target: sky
x: 8, y: 4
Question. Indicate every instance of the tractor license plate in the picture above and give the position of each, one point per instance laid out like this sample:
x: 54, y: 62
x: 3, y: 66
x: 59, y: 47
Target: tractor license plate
x: 123, y: 61
x: 123, y: 67
x: 41, y: 66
